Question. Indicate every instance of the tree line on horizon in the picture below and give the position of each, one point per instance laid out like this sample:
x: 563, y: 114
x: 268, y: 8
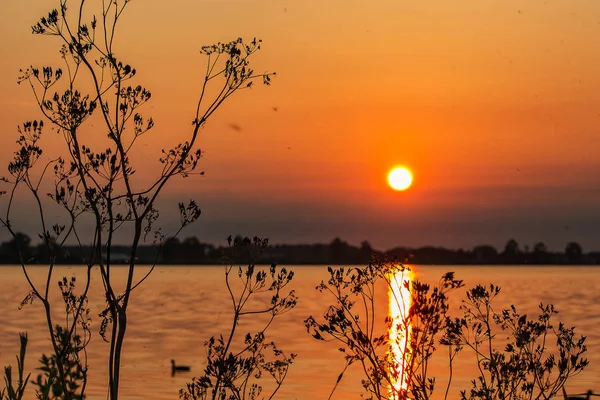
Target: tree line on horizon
x: 191, y: 251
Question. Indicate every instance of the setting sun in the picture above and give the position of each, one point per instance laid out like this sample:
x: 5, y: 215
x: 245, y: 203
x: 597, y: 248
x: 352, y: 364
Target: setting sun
x: 400, y: 178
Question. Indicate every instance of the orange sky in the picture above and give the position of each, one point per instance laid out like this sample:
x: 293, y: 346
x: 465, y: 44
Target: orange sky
x: 495, y: 105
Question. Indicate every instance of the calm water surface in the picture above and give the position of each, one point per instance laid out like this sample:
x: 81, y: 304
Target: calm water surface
x: 178, y: 308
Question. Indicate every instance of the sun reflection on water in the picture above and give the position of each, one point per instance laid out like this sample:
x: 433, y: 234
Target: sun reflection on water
x: 399, y: 300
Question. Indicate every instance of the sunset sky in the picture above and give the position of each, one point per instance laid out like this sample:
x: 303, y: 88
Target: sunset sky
x: 494, y: 106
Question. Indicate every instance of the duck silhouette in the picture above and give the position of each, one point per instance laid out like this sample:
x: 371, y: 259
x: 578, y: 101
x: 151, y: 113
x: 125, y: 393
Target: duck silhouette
x: 586, y: 396
x: 178, y: 368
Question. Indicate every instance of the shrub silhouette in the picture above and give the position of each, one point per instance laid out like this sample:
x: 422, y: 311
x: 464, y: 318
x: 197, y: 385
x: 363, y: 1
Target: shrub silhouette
x: 529, y: 366
x: 235, y: 363
x: 10, y: 392
x: 98, y: 182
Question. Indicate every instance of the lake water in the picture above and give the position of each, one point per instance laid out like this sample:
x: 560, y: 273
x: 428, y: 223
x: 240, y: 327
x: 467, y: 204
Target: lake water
x: 178, y: 308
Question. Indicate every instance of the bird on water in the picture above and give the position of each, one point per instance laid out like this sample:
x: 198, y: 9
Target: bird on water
x: 178, y: 368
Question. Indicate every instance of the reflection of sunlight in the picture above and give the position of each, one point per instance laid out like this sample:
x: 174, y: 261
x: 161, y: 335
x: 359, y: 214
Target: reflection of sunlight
x: 399, y: 301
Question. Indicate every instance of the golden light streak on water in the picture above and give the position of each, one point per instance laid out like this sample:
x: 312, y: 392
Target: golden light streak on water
x: 399, y: 304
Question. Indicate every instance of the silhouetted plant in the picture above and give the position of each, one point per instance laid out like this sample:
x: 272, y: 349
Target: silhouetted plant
x: 236, y: 362
x: 395, y: 362
x: 11, y: 392
x: 100, y: 184
x: 537, y: 357
x: 352, y: 321
x: 69, y: 345
x: 49, y: 386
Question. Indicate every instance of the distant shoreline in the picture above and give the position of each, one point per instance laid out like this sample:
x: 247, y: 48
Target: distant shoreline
x: 350, y: 265
x: 191, y: 251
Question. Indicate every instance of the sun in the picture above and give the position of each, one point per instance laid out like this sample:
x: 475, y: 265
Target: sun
x: 400, y: 178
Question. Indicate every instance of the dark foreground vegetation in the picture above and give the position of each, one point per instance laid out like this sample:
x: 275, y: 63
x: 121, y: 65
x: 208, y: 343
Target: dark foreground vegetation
x: 191, y: 251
